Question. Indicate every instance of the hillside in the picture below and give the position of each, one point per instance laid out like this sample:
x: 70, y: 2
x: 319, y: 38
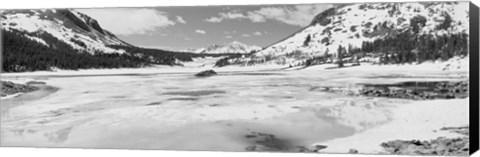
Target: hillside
x: 66, y: 39
x: 234, y: 47
x: 378, y: 32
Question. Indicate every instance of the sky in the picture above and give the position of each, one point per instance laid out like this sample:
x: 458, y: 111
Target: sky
x: 192, y: 27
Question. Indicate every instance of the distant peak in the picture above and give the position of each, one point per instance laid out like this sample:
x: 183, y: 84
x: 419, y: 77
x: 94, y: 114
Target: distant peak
x: 236, y: 42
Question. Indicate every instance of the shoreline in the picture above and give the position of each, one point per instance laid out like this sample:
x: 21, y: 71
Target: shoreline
x: 22, y: 98
x: 409, y: 122
x: 461, y: 66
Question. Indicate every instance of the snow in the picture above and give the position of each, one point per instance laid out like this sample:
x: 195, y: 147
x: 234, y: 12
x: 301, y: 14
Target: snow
x: 230, y: 48
x: 156, y: 106
x: 189, y: 68
x: 420, y: 120
x: 57, y: 28
x: 37, y: 39
x: 454, y: 65
x: 202, y: 62
x: 10, y: 96
x: 107, y: 108
x: 352, y: 15
x: 233, y: 47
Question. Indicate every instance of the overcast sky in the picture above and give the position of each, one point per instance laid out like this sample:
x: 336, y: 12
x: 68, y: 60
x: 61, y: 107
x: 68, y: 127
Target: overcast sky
x: 194, y: 27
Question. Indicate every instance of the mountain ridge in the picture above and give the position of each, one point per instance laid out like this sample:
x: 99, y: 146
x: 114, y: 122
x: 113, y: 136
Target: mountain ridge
x: 351, y: 26
x: 74, y: 28
x: 234, y: 47
x: 48, y: 39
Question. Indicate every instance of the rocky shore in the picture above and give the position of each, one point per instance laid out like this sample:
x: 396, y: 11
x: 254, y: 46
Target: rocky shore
x: 270, y: 143
x: 404, y: 90
x: 9, y: 88
x: 439, y: 146
x: 418, y: 90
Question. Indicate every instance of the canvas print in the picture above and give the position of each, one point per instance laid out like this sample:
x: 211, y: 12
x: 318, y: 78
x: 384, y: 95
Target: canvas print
x: 368, y: 78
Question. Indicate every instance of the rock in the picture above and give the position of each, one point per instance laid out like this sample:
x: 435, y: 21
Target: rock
x: 317, y: 148
x: 206, y: 73
x: 9, y: 88
x: 439, y: 146
x: 439, y: 90
x: 271, y: 143
x: 251, y: 148
x: 35, y: 83
x: 353, y: 151
x: 464, y: 130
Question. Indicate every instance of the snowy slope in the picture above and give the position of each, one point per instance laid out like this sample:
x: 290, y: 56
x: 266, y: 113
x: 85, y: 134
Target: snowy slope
x: 350, y: 25
x: 231, y: 48
x: 69, y: 26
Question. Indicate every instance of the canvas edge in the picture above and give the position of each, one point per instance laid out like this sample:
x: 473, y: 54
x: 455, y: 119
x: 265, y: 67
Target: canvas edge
x: 474, y: 66
x: 474, y: 78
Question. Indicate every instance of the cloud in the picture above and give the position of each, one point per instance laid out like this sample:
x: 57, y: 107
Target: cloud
x: 223, y: 16
x: 228, y: 37
x: 298, y: 15
x: 129, y: 21
x: 232, y: 15
x: 214, y: 20
x: 258, y: 33
x: 181, y: 20
x: 230, y: 32
x: 199, y: 31
x: 245, y: 35
x: 254, y: 17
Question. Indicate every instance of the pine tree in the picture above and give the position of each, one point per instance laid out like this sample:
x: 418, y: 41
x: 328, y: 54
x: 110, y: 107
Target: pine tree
x: 340, y: 56
x: 307, y: 40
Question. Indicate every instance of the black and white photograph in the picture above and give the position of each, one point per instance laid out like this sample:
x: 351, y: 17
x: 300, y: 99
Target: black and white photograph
x: 335, y: 78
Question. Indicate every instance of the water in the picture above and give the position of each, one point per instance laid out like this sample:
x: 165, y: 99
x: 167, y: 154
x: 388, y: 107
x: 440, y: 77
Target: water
x: 290, y: 132
x: 196, y: 93
x: 229, y: 111
x: 417, y: 86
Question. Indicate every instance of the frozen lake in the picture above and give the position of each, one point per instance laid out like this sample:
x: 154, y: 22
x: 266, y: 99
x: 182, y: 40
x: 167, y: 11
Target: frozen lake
x: 233, y: 111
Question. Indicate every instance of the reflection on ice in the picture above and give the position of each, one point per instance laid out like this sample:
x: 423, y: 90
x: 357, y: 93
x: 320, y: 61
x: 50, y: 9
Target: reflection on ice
x: 274, y: 111
x: 196, y: 93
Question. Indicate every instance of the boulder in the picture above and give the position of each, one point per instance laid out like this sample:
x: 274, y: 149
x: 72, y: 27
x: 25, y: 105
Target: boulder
x: 9, y: 88
x: 206, y: 73
x: 353, y: 151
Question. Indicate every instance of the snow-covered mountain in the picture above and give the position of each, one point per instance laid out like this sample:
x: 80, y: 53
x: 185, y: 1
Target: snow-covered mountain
x: 231, y: 48
x: 351, y: 25
x: 189, y: 50
x: 69, y: 26
x: 48, y: 39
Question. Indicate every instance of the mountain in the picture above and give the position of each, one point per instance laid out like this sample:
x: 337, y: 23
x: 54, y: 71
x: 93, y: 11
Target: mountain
x: 190, y: 50
x: 231, y: 48
x: 397, y: 32
x: 69, y: 26
x: 67, y: 39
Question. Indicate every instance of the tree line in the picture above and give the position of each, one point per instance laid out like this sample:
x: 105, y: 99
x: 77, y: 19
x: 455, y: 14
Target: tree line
x: 406, y: 47
x: 409, y: 48
x: 21, y: 54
